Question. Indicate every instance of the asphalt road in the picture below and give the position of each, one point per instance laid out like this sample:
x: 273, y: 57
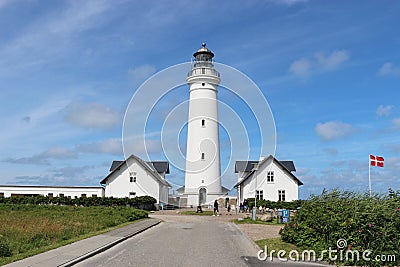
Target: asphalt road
x: 185, y: 241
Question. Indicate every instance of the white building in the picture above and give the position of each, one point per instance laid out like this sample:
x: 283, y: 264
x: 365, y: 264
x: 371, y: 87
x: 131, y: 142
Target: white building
x: 203, y: 169
x: 135, y: 177
x: 268, y: 179
x: 52, y: 191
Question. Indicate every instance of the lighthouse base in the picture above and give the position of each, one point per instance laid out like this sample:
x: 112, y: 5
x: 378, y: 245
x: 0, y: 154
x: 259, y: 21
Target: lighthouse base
x: 201, y: 198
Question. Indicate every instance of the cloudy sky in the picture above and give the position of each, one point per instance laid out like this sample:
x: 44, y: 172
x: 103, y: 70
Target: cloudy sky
x: 330, y: 71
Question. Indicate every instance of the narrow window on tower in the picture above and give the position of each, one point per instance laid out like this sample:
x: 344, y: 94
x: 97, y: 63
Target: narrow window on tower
x: 203, y: 123
x: 203, y: 156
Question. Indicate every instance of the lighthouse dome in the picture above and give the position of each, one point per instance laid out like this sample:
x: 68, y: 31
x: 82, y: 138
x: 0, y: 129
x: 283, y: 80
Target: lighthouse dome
x: 203, y: 53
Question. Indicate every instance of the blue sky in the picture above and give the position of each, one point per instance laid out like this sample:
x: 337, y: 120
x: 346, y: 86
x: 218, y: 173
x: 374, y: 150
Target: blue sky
x: 330, y: 71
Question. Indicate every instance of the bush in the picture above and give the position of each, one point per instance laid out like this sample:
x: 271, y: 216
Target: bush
x: 5, y: 250
x: 142, y: 202
x: 293, y: 205
x: 365, y: 222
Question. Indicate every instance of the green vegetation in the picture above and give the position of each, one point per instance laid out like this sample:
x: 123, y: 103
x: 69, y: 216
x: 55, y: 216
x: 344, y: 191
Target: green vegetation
x: 364, y: 222
x: 193, y: 212
x: 293, y: 205
x: 26, y: 230
x: 277, y: 244
x: 142, y: 202
x: 248, y: 220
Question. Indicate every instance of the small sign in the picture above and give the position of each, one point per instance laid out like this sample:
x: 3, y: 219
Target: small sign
x: 285, y: 219
x: 285, y: 213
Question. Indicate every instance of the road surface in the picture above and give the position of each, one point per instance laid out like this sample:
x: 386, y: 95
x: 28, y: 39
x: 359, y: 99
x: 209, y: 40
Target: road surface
x: 185, y: 241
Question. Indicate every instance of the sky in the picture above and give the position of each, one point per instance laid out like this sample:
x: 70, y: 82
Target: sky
x: 329, y: 71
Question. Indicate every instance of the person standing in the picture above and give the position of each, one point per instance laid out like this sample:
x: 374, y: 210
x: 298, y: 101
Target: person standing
x: 216, y: 211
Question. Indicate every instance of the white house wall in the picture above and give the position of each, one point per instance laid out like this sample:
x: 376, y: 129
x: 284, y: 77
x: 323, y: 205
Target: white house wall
x: 119, y: 185
x: 282, y: 181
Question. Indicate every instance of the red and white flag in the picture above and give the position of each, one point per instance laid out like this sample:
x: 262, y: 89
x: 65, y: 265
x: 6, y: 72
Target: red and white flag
x: 376, y: 161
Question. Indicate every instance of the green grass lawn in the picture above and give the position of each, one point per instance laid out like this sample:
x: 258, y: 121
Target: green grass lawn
x: 257, y: 221
x: 277, y: 244
x: 26, y: 230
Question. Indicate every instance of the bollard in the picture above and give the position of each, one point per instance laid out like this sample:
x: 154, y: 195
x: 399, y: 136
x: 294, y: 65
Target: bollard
x: 253, y: 214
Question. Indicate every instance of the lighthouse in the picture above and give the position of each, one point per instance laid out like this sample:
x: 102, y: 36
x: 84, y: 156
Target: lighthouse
x: 203, y: 168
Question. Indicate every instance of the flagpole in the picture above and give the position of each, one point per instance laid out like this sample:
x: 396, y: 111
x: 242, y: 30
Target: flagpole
x: 369, y: 175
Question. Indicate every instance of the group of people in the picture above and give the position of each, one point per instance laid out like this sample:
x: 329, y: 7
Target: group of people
x: 244, y: 206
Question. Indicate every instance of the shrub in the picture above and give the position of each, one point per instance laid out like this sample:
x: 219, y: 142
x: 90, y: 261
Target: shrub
x: 293, y: 205
x: 5, y: 250
x: 365, y: 222
x: 142, y: 202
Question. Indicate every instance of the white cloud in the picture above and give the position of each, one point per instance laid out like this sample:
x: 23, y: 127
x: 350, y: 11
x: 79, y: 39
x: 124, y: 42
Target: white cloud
x: 396, y: 122
x: 92, y: 115
x: 384, y: 110
x: 109, y: 146
x: 287, y: 2
x: 320, y: 62
x: 389, y: 69
x: 4, y: 3
x: 44, y: 157
x: 333, y: 130
x: 141, y: 73
x: 301, y: 67
x: 332, y: 61
x: 331, y: 151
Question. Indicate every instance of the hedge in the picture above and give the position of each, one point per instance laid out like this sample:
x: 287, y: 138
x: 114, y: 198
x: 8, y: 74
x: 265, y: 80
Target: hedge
x: 142, y: 202
x: 361, y: 222
x: 293, y: 205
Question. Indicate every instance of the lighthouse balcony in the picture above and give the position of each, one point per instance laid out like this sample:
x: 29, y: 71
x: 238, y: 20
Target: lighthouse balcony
x: 203, y: 71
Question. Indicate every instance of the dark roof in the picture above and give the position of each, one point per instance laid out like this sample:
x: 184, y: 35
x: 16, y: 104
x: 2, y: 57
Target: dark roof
x: 147, y: 165
x: 247, y: 166
x: 285, y: 168
x: 115, y: 164
x: 161, y: 166
x: 289, y: 165
x: 244, y: 166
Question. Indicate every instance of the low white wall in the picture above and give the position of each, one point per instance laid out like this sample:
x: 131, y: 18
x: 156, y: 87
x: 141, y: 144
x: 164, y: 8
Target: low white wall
x: 55, y: 191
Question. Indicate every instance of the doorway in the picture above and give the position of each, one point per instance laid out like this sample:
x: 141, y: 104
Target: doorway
x: 202, y: 196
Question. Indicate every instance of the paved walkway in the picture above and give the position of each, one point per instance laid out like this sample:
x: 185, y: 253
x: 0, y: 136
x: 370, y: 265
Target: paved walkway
x: 73, y: 253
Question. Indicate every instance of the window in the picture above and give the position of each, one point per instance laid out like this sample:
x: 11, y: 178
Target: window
x: 203, y: 156
x: 270, y: 176
x: 202, y: 181
x: 94, y: 195
x: 203, y: 123
x: 50, y: 194
x: 281, y: 195
x: 83, y: 195
x: 2, y: 194
x: 132, y: 194
x: 259, y: 194
x: 61, y: 195
x: 132, y: 179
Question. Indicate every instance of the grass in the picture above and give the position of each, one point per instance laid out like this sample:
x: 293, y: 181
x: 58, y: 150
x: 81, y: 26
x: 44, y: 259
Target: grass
x: 248, y: 220
x: 277, y: 244
x: 192, y: 212
x: 27, y: 230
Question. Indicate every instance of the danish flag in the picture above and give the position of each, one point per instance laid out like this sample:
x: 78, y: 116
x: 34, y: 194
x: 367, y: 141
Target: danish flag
x: 376, y: 161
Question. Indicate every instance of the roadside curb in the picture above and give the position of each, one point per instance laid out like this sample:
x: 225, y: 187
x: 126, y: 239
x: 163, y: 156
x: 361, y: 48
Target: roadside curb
x: 109, y: 245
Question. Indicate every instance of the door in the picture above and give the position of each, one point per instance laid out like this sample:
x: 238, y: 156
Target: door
x: 202, y: 196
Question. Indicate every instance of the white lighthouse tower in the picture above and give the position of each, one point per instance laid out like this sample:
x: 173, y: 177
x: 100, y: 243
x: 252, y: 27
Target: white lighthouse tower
x: 203, y: 170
